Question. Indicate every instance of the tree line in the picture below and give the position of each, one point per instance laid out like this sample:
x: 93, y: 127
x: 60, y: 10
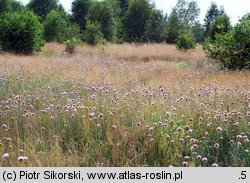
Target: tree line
x: 116, y: 21
x: 121, y: 20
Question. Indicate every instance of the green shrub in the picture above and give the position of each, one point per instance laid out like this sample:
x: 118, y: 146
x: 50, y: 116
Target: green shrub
x: 92, y: 34
x: 221, y: 25
x: 73, y: 31
x: 232, y: 50
x: 21, y: 32
x: 71, y: 45
x: 185, y: 41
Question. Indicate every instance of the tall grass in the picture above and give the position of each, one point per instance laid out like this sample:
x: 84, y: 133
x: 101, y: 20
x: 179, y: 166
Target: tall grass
x: 116, y: 109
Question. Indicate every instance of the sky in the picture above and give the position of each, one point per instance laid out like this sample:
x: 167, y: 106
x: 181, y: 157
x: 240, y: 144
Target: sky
x: 234, y: 8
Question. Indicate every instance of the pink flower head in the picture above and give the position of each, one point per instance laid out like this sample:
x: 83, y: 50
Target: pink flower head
x: 219, y: 129
x: 5, y: 156
x: 215, y: 165
x: 199, y: 157
x: 185, y: 164
x: 22, y: 158
x: 216, y: 146
x: 114, y: 127
x: 204, y: 160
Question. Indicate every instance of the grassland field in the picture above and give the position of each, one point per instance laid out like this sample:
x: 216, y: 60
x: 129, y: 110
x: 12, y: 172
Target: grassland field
x: 122, y: 105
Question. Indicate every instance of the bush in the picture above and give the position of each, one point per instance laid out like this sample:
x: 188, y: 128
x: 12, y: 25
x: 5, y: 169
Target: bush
x: 92, y: 34
x: 185, y: 41
x: 221, y: 26
x: 55, y: 27
x: 232, y: 50
x: 71, y: 45
x: 73, y: 31
x: 21, y: 32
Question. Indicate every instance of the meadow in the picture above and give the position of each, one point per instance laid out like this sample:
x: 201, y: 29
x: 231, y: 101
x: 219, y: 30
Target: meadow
x: 122, y: 105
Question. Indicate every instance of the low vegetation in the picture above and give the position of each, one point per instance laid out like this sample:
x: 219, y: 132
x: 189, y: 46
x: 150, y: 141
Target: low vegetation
x: 107, y: 109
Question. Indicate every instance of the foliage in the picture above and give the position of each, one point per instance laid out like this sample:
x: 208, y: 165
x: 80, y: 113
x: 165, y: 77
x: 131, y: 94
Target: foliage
x: 9, y: 6
x: 172, y: 28
x: 212, y: 13
x: 185, y: 41
x: 73, y: 31
x: 103, y: 13
x: 21, y: 32
x: 71, y: 45
x: 123, y: 6
x: 117, y: 21
x: 154, y: 27
x: 92, y: 34
x: 79, y: 12
x: 198, y: 31
x: 135, y: 20
x: 183, y: 17
x: 221, y: 25
x: 55, y: 27
x: 232, y: 49
x: 43, y: 7
x: 188, y: 12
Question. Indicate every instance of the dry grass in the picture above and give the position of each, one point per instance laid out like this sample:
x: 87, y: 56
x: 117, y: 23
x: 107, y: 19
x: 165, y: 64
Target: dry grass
x: 136, y: 52
x: 145, y: 95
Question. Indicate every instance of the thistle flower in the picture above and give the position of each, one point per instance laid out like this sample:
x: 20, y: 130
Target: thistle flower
x: 5, y: 156
x: 219, y: 129
x: 185, y: 164
x: 186, y: 158
x: 179, y: 129
x: 22, y: 158
x: 216, y: 146
x: 114, y: 127
x: 152, y: 139
x: 204, y: 160
x: 194, y: 147
x: 246, y: 141
x: 215, y: 165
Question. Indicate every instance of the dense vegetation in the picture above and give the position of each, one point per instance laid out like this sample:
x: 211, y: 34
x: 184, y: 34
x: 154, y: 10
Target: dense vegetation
x: 233, y: 48
x: 131, y: 94
x: 117, y: 21
x: 102, y: 109
x: 21, y: 32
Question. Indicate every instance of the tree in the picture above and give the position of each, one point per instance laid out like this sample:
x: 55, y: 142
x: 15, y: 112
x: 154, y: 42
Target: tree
x: 154, y: 27
x: 15, y: 5
x: 183, y: 16
x: 79, y: 12
x: 103, y: 13
x: 173, y: 26
x: 55, y: 26
x: 4, y: 6
x: 21, y: 32
x: 117, y: 20
x: 210, y: 17
x: 123, y: 6
x: 198, y: 31
x: 9, y: 6
x: 221, y: 26
x: 188, y: 12
x: 42, y: 7
x: 135, y: 20
x: 232, y: 49
x: 92, y: 33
